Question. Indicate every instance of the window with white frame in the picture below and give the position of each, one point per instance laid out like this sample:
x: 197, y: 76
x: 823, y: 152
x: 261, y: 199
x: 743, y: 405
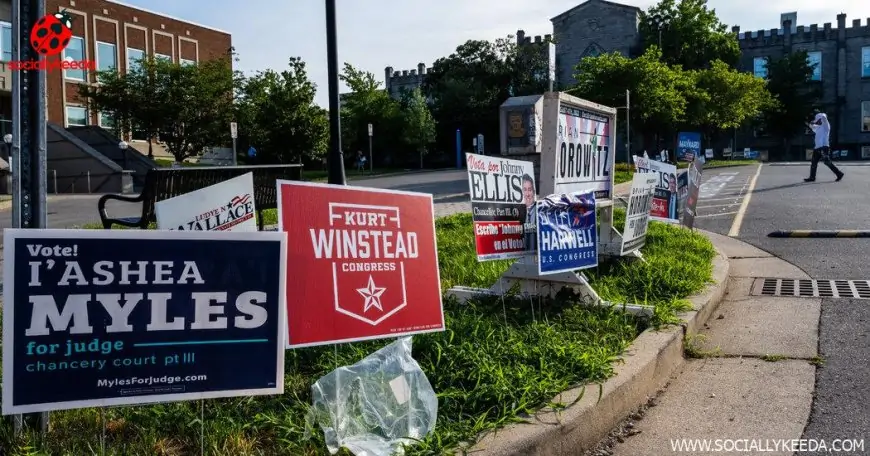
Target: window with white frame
x: 106, y: 120
x: 163, y: 56
x: 186, y: 62
x: 865, y: 62
x: 76, y: 116
x: 759, y: 67
x: 814, y: 59
x: 6, y: 41
x: 134, y: 58
x: 107, y: 56
x: 865, y: 116
x: 75, y: 51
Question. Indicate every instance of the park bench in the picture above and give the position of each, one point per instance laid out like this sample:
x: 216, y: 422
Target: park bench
x: 165, y: 183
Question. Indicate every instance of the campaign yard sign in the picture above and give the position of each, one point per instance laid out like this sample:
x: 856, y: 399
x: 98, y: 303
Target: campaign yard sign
x: 95, y: 318
x: 694, y: 188
x: 637, y: 215
x: 502, y: 194
x: 364, y: 264
x: 227, y: 206
x: 688, y: 145
x: 665, y: 199
x: 583, y: 158
x: 567, y: 233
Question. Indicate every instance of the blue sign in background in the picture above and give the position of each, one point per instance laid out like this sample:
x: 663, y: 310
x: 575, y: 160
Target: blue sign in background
x: 688, y: 145
x: 238, y: 349
x: 567, y: 233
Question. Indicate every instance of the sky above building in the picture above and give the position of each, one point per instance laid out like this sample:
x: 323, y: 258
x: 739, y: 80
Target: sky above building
x: 374, y: 34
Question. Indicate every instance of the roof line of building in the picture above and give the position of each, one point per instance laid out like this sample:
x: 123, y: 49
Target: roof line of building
x: 144, y: 10
x: 617, y: 4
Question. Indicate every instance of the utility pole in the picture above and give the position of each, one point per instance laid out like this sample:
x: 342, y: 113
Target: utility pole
x: 627, y: 126
x: 234, y: 133
x: 551, y: 65
x: 28, y: 140
x: 334, y: 157
x: 371, y: 160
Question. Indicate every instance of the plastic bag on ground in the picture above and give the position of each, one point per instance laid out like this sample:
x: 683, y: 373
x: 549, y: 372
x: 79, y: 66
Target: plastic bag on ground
x: 375, y: 406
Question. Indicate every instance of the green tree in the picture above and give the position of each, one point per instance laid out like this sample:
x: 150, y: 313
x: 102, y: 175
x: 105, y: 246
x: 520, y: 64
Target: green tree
x: 467, y: 87
x: 659, y: 92
x: 796, y: 96
x: 188, y: 107
x: 277, y: 115
x: 723, y: 99
x: 419, y: 126
x: 691, y: 34
x: 368, y: 103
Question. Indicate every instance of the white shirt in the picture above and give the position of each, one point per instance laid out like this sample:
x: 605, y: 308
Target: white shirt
x: 822, y: 131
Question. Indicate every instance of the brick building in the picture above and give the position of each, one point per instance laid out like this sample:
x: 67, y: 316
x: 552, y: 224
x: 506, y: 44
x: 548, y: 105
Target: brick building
x: 113, y: 35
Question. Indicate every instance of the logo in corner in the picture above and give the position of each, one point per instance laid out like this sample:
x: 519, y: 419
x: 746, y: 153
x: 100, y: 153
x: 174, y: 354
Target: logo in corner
x: 52, y: 33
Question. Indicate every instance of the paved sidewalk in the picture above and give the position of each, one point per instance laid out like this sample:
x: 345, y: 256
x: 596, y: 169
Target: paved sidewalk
x: 751, y: 378
x: 754, y: 368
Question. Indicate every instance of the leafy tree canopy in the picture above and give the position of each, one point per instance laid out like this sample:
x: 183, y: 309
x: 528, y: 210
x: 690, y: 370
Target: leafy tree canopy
x: 278, y: 116
x: 419, y: 125
x: 691, y: 34
x: 368, y: 103
x: 467, y: 87
x: 659, y: 93
x: 796, y: 96
x: 188, y: 106
x: 725, y: 98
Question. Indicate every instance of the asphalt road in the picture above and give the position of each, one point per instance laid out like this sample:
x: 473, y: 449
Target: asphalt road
x: 70, y: 211
x: 721, y: 195
x: 782, y: 201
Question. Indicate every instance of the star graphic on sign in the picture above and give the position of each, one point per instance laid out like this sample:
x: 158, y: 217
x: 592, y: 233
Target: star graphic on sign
x: 372, y: 295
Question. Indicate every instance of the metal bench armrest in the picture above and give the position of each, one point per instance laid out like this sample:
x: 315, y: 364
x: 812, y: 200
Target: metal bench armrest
x: 104, y: 216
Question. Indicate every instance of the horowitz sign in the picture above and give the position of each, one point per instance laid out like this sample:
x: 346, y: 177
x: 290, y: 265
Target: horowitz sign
x: 578, y: 146
x: 364, y: 266
x: 99, y: 318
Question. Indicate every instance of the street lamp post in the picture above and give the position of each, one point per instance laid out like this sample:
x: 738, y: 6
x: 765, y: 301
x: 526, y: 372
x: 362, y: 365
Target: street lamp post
x: 123, y: 146
x: 334, y: 158
x: 7, y: 139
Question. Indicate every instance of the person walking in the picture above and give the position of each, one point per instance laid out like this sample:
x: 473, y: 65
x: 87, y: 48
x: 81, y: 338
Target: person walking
x: 822, y: 151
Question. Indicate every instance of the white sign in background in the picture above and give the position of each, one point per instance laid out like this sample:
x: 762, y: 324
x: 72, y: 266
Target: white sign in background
x: 227, y: 206
x: 666, y: 177
x: 643, y: 186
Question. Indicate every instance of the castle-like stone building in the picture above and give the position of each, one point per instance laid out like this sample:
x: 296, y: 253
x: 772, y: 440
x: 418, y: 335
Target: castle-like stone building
x: 842, y: 53
x: 399, y: 82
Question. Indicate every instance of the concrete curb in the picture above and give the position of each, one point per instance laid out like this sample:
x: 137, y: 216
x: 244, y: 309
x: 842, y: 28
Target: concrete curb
x: 647, y: 367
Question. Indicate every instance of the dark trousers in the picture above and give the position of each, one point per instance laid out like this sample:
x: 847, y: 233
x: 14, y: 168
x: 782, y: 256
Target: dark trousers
x: 824, y: 154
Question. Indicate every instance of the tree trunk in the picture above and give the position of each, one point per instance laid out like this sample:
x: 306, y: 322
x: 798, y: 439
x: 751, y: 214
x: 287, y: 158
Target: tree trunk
x: 150, y: 150
x: 421, y: 158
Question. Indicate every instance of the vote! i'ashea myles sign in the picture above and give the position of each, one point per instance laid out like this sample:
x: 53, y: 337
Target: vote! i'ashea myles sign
x: 363, y: 266
x: 98, y: 318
